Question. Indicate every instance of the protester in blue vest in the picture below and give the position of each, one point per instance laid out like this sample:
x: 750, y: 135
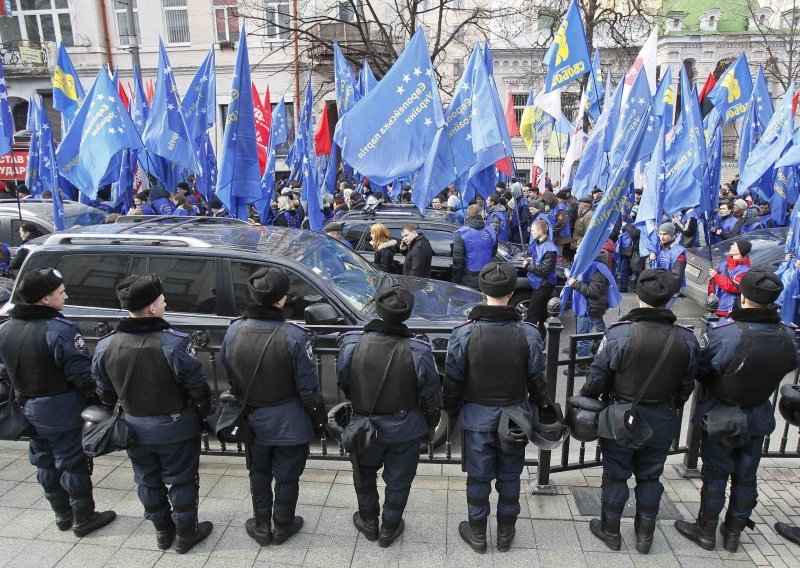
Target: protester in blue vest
x: 729, y: 225
x: 594, y: 292
x: 140, y: 202
x: 537, y: 214
x: 541, y: 269
x: 159, y: 200
x: 671, y: 255
x: 724, y: 280
x: 765, y: 211
x: 561, y: 229
x: 287, y: 215
x: 520, y: 220
x: 498, y: 216
x: 686, y: 224
x: 630, y: 263
x: 751, y: 221
x: 474, y: 246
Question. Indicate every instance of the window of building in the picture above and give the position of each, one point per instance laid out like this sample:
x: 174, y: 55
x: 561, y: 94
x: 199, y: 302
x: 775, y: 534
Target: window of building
x: 519, y: 105
x: 226, y: 15
x: 125, y: 35
x: 176, y: 21
x: 38, y: 21
x: 278, y: 19
x: 349, y: 11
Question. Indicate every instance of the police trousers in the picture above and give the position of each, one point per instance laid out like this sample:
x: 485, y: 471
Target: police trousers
x: 646, y: 464
x: 159, y: 465
x: 284, y: 464
x: 399, y: 461
x: 485, y: 462
x: 721, y: 462
x: 63, y: 468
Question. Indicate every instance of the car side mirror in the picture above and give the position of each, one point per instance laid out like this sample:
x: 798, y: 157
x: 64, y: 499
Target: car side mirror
x: 320, y: 314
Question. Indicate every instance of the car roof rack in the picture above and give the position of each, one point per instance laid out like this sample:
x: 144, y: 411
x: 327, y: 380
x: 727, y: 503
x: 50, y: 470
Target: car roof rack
x: 134, y: 221
x: 116, y: 239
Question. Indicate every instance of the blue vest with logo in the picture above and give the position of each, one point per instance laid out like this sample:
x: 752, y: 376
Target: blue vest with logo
x: 537, y: 251
x: 667, y: 257
x: 479, y: 245
x: 727, y: 301
x: 546, y: 218
x: 565, y: 232
x: 728, y: 223
x: 502, y: 232
x: 580, y: 305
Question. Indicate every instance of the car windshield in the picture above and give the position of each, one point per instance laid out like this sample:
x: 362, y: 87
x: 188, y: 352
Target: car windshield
x: 355, y: 278
x: 85, y: 219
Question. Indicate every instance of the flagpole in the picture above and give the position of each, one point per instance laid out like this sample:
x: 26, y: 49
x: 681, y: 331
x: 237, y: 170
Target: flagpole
x: 594, y: 80
x: 16, y: 180
x: 296, y: 66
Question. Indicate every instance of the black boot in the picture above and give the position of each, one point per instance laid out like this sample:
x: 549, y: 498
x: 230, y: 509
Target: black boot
x: 731, y: 530
x: 283, y: 531
x: 367, y: 526
x: 87, y: 521
x: 505, y: 533
x: 165, y: 533
x: 191, y: 534
x: 259, y: 528
x: 789, y: 532
x: 645, y: 528
x: 607, y: 530
x: 702, y: 532
x: 388, y: 534
x: 474, y: 534
x: 63, y: 513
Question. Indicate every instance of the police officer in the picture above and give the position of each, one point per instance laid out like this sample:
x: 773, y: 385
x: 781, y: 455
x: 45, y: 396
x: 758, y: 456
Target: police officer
x: 166, y: 399
x: 541, y: 269
x: 46, y: 362
x: 270, y: 361
x: 474, y: 246
x: 390, y: 376
x: 646, y: 344
x: 743, y: 359
x: 480, y: 384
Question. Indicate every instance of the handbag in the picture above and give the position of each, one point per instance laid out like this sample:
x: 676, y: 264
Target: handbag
x: 360, y: 434
x: 113, y: 433
x: 13, y: 422
x: 622, y: 422
x: 229, y: 422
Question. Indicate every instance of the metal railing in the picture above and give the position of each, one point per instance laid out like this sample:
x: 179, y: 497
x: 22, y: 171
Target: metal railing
x: 570, y: 456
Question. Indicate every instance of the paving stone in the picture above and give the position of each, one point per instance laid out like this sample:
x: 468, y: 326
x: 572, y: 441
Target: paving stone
x: 682, y: 546
x: 130, y: 505
x: 222, y: 510
x: 427, y: 501
x: 292, y: 552
x: 172, y: 560
x: 590, y: 543
x: 516, y: 558
x: 22, y: 495
x: 660, y: 545
x: 557, y: 535
x: 430, y: 482
x: 28, y: 524
x: 549, y: 507
x: 368, y: 555
x: 113, y: 534
x: 87, y: 556
x: 312, y: 493
x: 550, y: 558
x: 235, y: 543
x: 343, y: 496
x: 338, y: 522
x: 425, y: 527
x: 318, y: 476
x: 37, y: 556
x: 608, y: 559
x: 222, y: 562
x: 422, y: 555
x: 462, y: 556
x: 11, y: 547
x: 207, y: 483
x: 119, y: 478
x: 142, y: 538
x: 325, y: 552
x: 231, y: 488
x: 18, y: 470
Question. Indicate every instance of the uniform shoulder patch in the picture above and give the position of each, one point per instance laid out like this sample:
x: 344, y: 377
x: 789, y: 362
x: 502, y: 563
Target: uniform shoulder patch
x: 64, y: 320
x: 424, y: 342
x: 685, y: 326
x: 722, y: 323
x: 621, y: 322
x: 80, y: 342
x: 176, y: 333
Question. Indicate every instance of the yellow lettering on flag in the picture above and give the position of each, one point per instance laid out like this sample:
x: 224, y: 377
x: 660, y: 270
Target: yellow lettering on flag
x: 65, y: 83
x: 732, y: 84
x: 561, y: 40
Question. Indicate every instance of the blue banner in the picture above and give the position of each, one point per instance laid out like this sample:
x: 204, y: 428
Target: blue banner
x: 733, y: 90
x: 568, y: 57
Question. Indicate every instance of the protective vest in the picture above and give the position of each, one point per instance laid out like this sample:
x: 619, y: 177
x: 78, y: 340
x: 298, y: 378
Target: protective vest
x: 668, y: 257
x: 478, y: 245
x: 502, y: 232
x: 382, y: 359
x: 537, y: 251
x: 274, y: 368
x: 727, y: 301
x: 645, y: 346
x: 152, y: 390
x: 495, y: 380
x: 37, y: 373
x: 565, y: 232
x: 763, y: 358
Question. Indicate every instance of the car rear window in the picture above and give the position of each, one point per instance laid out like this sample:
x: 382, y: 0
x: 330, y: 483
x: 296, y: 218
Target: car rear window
x: 189, y: 283
x: 90, y: 279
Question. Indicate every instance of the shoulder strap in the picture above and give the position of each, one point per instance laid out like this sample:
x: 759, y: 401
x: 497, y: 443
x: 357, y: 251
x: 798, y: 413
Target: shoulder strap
x: 127, y: 380
x: 658, y: 365
x: 383, y: 379
x: 267, y: 343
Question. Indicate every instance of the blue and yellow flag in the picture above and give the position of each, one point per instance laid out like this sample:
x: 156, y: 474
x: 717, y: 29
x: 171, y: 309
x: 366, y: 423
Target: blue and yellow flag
x: 568, y: 57
x: 594, y: 89
x: 68, y: 93
x: 733, y: 90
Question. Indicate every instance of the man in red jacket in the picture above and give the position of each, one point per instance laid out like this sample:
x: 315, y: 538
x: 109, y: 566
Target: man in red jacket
x: 724, y: 280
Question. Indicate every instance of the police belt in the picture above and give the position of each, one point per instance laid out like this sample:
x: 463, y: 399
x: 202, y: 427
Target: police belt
x: 619, y: 399
x: 271, y: 403
x: 730, y: 402
x: 399, y: 414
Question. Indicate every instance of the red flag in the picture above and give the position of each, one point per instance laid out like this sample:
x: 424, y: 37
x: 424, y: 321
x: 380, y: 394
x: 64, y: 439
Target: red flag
x: 710, y: 83
x: 150, y: 91
x: 504, y: 165
x: 322, y: 137
x: 511, y: 117
x: 262, y: 129
x: 268, y: 108
x: 123, y: 96
x: 795, y: 100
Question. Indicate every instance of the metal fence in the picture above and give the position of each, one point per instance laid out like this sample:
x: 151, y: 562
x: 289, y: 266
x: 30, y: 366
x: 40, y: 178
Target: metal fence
x: 570, y: 456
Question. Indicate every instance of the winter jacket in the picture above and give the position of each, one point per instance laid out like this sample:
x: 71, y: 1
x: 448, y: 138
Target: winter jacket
x: 581, y: 226
x: 384, y: 256
x: 418, y: 258
x: 596, y: 292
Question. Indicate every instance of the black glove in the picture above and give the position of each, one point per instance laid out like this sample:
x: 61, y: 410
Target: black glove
x: 451, y: 401
x: 200, y: 399
x: 432, y: 408
x: 315, y: 406
x: 88, y: 389
x: 107, y: 399
x: 537, y: 391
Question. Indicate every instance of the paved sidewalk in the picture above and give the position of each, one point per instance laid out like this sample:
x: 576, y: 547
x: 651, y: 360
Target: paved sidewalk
x: 551, y: 533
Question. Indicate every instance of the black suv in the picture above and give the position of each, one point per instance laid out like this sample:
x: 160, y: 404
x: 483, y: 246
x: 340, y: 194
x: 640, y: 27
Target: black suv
x: 204, y: 264
x: 40, y: 213
x: 438, y: 226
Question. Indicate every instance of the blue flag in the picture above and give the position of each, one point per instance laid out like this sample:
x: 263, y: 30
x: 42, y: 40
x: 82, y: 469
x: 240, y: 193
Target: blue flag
x: 44, y: 161
x: 68, y: 92
x: 595, y: 160
x: 759, y: 113
x: 490, y: 138
x: 90, y: 154
x: 308, y: 162
x: 6, y: 118
x: 651, y: 207
x: 140, y: 108
x: 366, y: 80
x: 635, y: 110
x: 32, y: 179
x: 280, y: 130
x: 595, y: 91
x: 239, y: 177
x: 199, y: 104
x: 733, y: 90
x: 663, y: 111
x: 278, y: 135
x: 568, y: 57
x: 772, y: 144
x: 387, y: 135
x: 166, y: 134
x: 346, y: 90
x: 620, y: 180
x: 122, y: 189
x: 206, y: 180
x: 784, y: 193
x: 714, y: 160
